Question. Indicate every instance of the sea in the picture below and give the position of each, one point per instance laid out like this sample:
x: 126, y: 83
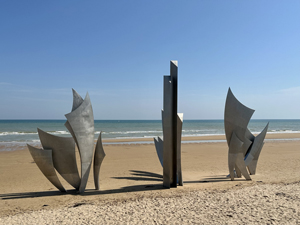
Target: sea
x: 14, y: 133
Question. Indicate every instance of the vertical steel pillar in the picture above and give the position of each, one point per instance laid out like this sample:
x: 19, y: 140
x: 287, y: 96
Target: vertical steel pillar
x: 170, y: 127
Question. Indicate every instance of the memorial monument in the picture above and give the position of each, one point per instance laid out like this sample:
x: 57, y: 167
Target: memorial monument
x: 244, y: 147
x: 58, y: 153
x: 169, y: 148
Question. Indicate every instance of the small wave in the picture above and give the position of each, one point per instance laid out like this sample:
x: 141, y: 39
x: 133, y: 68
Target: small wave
x: 283, y: 131
x: 30, y: 133
x: 132, y: 132
x: 59, y: 132
x: 16, y: 133
x: 201, y: 135
x: 194, y: 131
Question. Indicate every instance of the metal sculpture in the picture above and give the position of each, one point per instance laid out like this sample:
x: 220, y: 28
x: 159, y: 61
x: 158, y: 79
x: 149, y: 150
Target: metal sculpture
x: 159, y: 148
x: 81, y: 126
x: 59, y: 152
x: 244, y: 147
x: 43, y: 159
x: 63, y: 154
x: 169, y: 149
x: 98, y: 158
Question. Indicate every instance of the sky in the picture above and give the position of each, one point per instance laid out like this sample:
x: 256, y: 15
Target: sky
x: 119, y: 51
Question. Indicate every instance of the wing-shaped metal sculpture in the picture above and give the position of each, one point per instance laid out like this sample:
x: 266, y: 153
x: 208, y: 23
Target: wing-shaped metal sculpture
x: 60, y: 151
x: 98, y: 158
x: 43, y: 159
x: 254, y: 152
x: 237, y: 117
x: 63, y: 153
x: 77, y: 100
x: 81, y: 126
x: 240, y: 140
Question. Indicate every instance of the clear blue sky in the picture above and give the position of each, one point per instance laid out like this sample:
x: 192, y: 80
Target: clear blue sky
x: 119, y: 51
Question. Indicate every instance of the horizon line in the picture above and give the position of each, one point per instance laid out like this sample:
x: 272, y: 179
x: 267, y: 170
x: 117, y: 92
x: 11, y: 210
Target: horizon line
x: 148, y: 119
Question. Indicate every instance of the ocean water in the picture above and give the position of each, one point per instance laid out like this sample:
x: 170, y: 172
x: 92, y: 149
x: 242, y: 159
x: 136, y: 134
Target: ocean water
x: 25, y: 131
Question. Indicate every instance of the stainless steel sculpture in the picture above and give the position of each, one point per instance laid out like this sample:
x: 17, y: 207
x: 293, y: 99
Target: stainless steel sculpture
x: 169, y: 149
x: 98, y: 158
x: 59, y: 152
x: 63, y: 154
x: 43, y: 159
x: 81, y: 126
x: 251, y: 157
x: 244, y: 147
x: 159, y: 148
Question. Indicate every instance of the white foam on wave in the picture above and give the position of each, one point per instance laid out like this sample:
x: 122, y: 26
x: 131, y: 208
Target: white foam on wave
x: 194, y: 131
x: 59, y: 132
x: 132, y: 132
x: 16, y: 133
x: 201, y: 135
x: 283, y: 132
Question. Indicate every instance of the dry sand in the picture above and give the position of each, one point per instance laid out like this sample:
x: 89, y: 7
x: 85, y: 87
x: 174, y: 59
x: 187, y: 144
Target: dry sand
x: 132, y: 193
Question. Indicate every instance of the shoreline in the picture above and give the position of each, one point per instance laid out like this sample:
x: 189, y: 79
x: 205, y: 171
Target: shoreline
x: 270, y: 137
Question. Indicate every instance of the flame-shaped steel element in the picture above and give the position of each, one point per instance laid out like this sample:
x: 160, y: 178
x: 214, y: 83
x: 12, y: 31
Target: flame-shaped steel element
x: 253, y: 154
x: 98, y: 158
x: 59, y: 152
x: 43, y: 159
x: 81, y: 126
x: 167, y: 149
x: 63, y: 153
x: 240, y: 140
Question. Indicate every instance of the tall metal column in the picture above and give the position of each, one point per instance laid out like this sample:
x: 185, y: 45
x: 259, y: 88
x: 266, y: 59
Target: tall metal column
x: 170, y: 127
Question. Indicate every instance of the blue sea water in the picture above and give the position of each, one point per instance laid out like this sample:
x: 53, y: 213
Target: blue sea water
x: 25, y: 131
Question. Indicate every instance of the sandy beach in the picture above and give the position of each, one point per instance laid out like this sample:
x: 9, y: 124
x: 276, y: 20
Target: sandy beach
x: 132, y: 192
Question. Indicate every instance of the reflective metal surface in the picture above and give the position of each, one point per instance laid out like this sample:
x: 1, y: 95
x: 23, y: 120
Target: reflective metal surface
x: 168, y: 149
x: 240, y: 140
x: 252, y: 157
x: 43, y: 159
x: 81, y: 126
x: 77, y: 100
x: 60, y: 153
x: 179, y: 133
x: 159, y: 148
x: 98, y: 158
x: 63, y: 154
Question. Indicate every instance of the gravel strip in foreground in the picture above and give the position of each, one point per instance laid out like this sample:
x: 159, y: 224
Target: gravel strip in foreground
x: 259, y: 204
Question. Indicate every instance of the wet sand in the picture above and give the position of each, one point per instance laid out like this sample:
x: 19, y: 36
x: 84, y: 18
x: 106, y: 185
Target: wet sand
x: 131, y: 188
